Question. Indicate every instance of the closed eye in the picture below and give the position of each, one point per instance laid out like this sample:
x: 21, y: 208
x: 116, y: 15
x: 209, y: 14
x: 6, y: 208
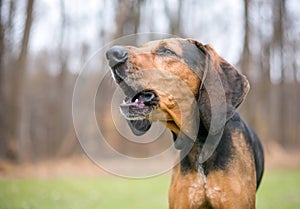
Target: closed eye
x: 163, y: 51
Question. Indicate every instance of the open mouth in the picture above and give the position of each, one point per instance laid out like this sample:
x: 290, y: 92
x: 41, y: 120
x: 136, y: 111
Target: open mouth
x: 140, y: 105
x: 136, y: 106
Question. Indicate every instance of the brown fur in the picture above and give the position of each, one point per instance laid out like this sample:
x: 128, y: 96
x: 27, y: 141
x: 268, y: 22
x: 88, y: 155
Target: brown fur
x: 145, y: 59
x: 234, y: 188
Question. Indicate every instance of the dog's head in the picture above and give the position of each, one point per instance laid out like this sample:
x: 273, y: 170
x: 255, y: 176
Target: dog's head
x: 164, y: 80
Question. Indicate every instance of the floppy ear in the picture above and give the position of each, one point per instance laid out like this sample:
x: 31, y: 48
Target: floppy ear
x: 219, y: 73
x: 139, y: 127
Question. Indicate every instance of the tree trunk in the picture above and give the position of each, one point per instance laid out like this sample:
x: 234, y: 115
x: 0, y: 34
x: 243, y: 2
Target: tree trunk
x: 278, y: 47
x: 59, y: 116
x: 245, y: 64
x: 128, y: 18
x: 18, y: 89
x: 174, y: 18
x: 3, y: 137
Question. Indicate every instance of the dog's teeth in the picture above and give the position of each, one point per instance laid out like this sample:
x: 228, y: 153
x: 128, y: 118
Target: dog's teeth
x: 136, y: 101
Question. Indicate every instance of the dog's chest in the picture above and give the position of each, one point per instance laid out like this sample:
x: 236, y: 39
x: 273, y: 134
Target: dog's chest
x: 197, y: 190
x: 194, y: 191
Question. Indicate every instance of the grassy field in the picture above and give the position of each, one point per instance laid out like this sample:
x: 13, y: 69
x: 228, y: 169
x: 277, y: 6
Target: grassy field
x: 280, y: 189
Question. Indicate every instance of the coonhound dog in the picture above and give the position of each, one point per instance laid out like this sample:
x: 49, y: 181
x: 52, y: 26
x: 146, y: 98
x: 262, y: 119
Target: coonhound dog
x: 175, y: 81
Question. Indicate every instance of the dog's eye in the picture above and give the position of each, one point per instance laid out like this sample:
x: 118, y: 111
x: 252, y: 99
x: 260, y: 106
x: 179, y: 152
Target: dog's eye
x: 165, y: 51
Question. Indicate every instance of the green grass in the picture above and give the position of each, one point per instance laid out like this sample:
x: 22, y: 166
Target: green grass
x: 81, y: 193
x: 280, y: 189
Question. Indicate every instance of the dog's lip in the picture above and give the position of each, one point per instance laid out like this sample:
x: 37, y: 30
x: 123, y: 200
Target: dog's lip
x: 139, y: 106
x: 119, y: 71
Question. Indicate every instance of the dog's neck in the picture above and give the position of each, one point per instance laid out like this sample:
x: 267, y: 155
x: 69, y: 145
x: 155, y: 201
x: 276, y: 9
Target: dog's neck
x: 190, y: 160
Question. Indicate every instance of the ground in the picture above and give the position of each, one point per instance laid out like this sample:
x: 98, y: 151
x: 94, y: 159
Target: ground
x: 78, y: 183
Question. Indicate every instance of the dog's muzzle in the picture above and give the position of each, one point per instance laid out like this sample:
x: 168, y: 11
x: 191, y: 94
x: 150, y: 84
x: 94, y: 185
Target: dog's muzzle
x: 137, y: 105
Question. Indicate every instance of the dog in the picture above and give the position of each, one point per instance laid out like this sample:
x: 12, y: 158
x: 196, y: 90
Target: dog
x: 186, y: 85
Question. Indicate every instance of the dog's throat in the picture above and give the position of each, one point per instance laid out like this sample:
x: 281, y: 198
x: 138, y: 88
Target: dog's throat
x: 190, y: 151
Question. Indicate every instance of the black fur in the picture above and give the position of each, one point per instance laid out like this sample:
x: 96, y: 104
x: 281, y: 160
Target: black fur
x: 192, y: 57
x: 225, y: 150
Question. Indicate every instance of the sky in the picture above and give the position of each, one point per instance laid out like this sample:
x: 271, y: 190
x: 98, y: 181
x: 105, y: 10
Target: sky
x: 85, y: 17
x: 219, y: 23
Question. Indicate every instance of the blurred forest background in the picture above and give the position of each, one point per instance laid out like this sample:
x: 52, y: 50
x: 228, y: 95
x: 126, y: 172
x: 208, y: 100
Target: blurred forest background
x: 43, y: 45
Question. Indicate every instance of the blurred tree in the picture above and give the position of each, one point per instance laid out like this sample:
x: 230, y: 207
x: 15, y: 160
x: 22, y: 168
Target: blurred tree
x: 245, y: 60
x: 18, y: 86
x: 7, y: 147
x: 3, y: 141
x: 127, y: 18
x: 174, y: 17
x: 60, y: 100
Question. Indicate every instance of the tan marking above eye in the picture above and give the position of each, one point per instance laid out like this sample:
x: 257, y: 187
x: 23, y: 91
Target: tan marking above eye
x: 173, y: 45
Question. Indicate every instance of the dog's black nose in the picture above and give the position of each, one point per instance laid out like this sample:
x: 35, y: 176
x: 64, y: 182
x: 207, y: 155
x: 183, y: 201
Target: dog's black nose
x: 116, y: 55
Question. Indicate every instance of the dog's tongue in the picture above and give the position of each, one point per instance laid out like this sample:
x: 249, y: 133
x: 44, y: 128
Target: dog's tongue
x: 140, y: 100
x: 136, y: 103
